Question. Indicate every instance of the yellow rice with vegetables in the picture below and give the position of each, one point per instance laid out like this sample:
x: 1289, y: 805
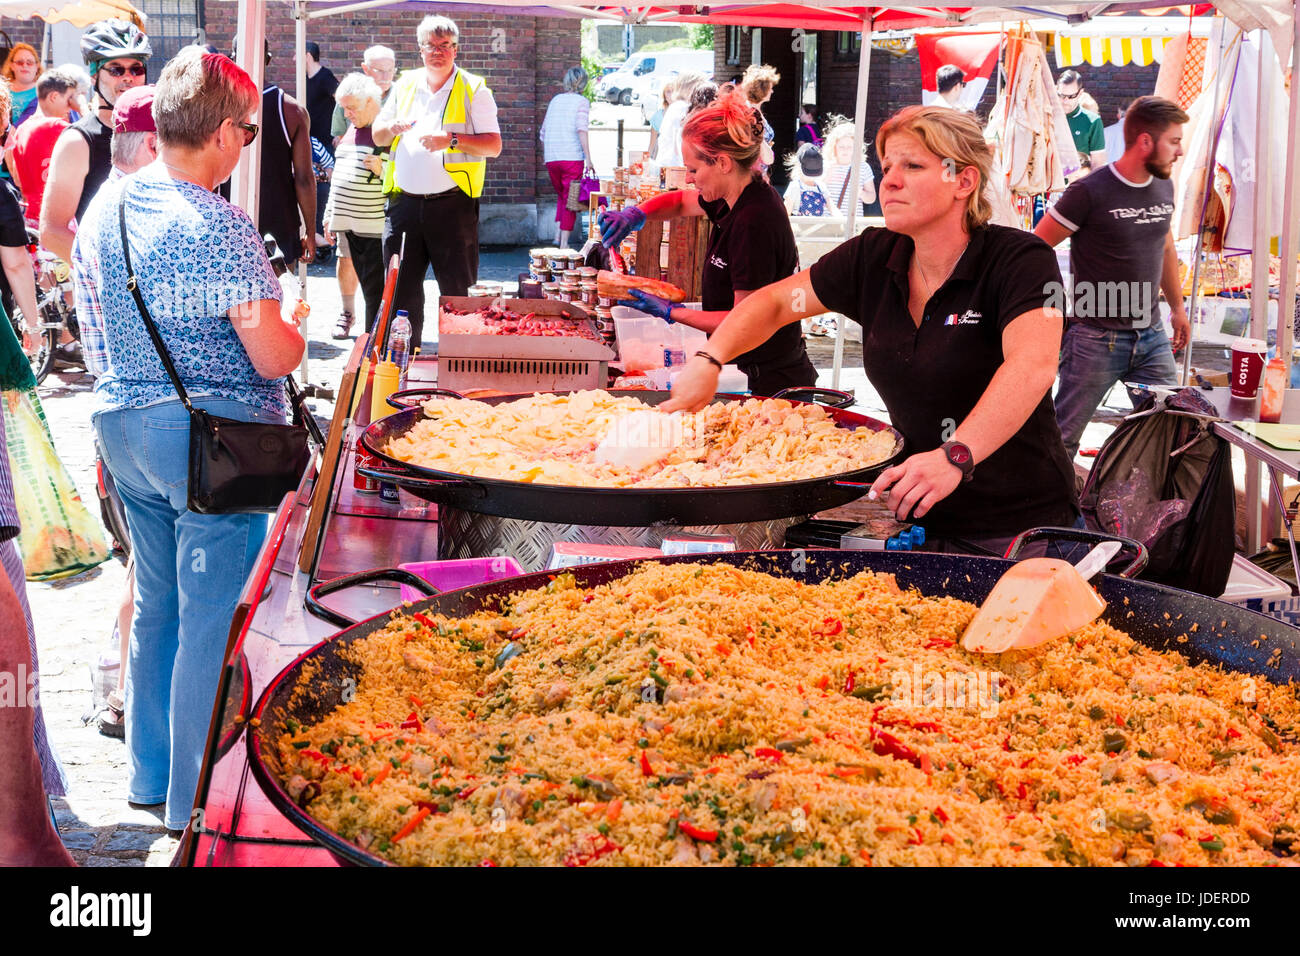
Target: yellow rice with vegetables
x: 703, y: 714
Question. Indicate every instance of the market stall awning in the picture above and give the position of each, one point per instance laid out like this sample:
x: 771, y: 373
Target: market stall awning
x: 80, y: 13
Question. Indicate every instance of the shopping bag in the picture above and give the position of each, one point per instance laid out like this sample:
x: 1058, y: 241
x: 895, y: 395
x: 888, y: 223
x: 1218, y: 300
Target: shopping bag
x: 59, y: 536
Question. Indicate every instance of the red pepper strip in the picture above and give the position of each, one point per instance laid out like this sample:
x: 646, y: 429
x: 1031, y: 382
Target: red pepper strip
x: 918, y: 839
x: 1022, y: 792
x: 1075, y: 759
x: 575, y: 858
x: 887, y: 745
x: 646, y: 769
x: 821, y: 684
x: 487, y: 863
x: 432, y: 807
x: 769, y: 753
x: 831, y: 626
x: 695, y: 833
x: 466, y: 792
x: 383, y: 726
x: 415, y: 700
x: 412, y: 824
x: 938, y: 812
x: 938, y: 643
x: 849, y: 682
x: 1232, y: 732
x: 413, y: 722
x: 865, y: 855
x: 427, y: 622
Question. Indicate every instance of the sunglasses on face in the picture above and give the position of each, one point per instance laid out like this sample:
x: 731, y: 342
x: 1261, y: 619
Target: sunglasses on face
x: 1070, y: 96
x: 250, y: 131
x: 117, y: 70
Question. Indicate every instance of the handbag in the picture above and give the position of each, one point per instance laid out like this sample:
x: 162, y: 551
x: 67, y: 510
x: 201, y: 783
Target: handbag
x: 580, y: 191
x: 234, y: 467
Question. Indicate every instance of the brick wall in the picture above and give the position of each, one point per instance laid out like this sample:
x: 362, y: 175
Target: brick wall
x: 521, y: 58
x: 24, y: 31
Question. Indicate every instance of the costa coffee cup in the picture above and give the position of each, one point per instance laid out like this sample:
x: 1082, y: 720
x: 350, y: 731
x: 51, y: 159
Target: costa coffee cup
x: 1248, y: 356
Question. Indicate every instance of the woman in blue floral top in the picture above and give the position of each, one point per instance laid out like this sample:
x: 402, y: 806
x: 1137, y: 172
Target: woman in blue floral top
x: 205, y: 277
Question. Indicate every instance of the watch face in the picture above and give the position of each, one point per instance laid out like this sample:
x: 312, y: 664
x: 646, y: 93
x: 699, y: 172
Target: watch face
x: 958, y: 454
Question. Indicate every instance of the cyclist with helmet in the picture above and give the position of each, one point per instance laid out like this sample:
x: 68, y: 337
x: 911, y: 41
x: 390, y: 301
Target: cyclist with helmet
x: 115, y: 52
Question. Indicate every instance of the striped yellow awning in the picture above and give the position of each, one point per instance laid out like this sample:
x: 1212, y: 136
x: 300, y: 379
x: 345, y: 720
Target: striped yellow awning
x: 1117, y: 51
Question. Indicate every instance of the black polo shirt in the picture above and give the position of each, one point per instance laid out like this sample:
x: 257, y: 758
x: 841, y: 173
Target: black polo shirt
x: 751, y: 246
x: 931, y: 377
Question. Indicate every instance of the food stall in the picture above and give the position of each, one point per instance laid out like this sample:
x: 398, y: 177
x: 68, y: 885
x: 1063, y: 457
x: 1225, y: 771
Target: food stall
x: 734, y: 708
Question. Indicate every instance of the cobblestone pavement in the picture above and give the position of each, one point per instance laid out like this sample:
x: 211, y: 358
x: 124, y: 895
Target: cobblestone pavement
x: 74, y: 618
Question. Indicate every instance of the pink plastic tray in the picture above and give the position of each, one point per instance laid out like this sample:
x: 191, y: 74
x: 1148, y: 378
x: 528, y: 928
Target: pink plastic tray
x: 462, y: 573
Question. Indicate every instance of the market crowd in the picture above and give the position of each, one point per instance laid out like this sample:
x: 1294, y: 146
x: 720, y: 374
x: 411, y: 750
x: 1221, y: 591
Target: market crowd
x: 960, y: 336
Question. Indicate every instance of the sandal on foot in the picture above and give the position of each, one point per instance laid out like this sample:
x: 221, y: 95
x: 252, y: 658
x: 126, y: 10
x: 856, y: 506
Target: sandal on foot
x: 343, y: 328
x: 112, y: 719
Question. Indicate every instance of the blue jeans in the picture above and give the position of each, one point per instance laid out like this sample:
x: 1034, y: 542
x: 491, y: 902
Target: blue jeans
x: 189, y: 571
x: 1093, y: 360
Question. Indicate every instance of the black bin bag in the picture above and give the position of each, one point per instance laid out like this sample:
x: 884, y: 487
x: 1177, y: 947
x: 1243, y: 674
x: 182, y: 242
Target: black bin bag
x: 1164, y: 478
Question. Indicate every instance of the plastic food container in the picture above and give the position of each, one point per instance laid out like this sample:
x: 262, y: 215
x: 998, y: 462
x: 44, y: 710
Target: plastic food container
x: 463, y: 573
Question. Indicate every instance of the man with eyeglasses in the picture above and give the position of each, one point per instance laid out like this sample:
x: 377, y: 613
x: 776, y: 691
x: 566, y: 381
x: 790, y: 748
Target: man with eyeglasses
x: 441, y: 125
x: 1087, y: 127
x: 115, y: 52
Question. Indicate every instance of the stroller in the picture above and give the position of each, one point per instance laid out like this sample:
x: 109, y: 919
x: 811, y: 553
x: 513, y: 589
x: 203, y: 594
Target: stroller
x: 1165, y: 479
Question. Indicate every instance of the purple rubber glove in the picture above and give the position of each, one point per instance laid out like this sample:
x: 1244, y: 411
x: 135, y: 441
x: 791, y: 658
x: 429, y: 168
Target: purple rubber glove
x: 615, y: 225
x: 649, y: 304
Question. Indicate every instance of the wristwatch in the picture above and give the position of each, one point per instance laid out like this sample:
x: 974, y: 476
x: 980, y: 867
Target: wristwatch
x: 959, y: 454
x: 455, y: 142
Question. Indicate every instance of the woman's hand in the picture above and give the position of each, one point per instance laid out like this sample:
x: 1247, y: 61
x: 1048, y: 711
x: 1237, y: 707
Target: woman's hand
x: 916, y: 485
x: 654, y: 305
x: 617, y: 224
x: 31, y: 340
x: 694, y: 388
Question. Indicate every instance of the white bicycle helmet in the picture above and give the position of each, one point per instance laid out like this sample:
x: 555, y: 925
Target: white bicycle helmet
x: 111, y: 40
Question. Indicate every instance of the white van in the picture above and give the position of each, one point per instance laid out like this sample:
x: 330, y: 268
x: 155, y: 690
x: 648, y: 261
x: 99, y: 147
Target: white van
x: 640, y: 79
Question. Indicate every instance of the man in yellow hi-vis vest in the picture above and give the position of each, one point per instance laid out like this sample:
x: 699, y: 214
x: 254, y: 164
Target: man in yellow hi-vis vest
x: 441, y: 122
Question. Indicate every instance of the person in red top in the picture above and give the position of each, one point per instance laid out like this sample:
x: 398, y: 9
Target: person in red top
x: 32, y: 144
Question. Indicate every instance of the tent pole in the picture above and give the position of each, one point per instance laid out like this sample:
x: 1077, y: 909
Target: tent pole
x: 855, y: 175
x: 1290, y: 237
x: 1263, y: 187
x: 250, y: 33
x: 1212, y: 153
x: 300, y: 94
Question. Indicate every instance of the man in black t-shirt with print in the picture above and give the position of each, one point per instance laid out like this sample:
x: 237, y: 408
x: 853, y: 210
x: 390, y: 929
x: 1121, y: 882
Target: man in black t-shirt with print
x: 1122, y: 256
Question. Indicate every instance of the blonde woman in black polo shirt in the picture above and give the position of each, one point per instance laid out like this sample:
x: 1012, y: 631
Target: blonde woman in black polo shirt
x: 751, y: 244
x: 960, y: 337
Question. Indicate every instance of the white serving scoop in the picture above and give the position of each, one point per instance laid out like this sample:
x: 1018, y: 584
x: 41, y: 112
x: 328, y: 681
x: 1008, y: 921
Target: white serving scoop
x: 1038, y: 600
x: 640, y: 439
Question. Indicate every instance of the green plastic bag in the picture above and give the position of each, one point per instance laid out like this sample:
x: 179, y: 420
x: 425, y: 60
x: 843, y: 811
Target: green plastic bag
x: 59, y: 536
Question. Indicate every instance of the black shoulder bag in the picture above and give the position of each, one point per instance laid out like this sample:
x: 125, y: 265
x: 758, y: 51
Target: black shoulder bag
x: 234, y: 466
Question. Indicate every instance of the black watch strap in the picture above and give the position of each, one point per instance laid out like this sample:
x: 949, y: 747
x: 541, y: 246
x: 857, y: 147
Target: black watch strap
x: 960, y: 455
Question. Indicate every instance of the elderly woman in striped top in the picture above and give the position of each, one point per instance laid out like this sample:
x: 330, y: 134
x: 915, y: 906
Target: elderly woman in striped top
x: 355, y: 208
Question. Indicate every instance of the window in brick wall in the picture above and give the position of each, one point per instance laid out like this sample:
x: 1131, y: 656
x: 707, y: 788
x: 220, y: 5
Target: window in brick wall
x: 733, y: 46
x: 848, y: 45
x: 172, y: 25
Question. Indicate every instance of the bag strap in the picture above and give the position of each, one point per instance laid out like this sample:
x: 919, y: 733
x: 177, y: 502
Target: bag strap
x: 844, y: 189
x: 134, y: 286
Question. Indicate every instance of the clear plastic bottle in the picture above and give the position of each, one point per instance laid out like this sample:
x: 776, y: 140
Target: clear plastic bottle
x: 399, y: 343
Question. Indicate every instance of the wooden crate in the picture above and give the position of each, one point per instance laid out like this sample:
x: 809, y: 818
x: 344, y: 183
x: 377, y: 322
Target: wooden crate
x: 671, y: 250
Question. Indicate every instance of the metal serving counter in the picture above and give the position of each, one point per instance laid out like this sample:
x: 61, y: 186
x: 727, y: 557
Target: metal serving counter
x: 233, y: 823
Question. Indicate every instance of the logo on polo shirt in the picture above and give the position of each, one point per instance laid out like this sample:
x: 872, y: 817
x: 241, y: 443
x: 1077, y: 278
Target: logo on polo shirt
x: 717, y: 263
x: 969, y: 317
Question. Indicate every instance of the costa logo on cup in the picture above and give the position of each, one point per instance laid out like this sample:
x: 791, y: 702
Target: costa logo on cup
x: 1248, y: 357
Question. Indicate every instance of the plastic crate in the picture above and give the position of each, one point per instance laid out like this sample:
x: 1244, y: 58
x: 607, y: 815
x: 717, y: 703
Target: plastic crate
x: 1252, y: 587
x: 460, y: 573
